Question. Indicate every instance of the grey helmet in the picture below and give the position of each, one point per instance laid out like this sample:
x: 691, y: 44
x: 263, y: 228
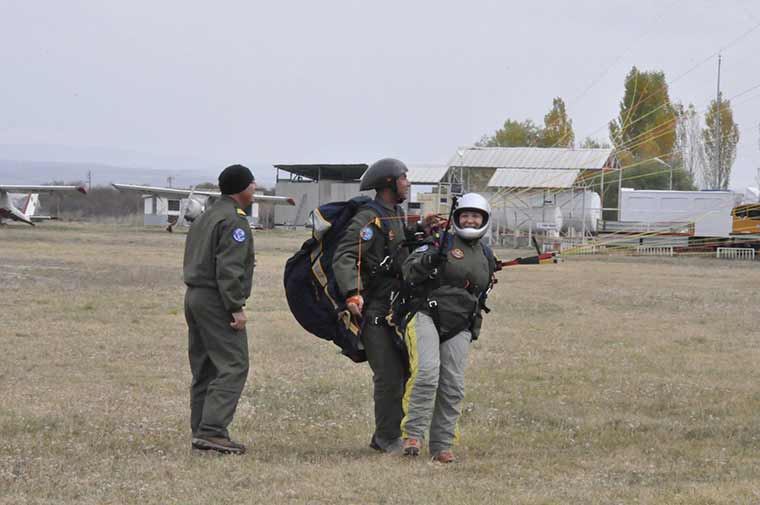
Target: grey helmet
x: 383, y: 174
x: 472, y: 201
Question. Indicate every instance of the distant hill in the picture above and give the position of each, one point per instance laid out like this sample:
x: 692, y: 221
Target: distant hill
x: 42, y: 163
x: 43, y: 172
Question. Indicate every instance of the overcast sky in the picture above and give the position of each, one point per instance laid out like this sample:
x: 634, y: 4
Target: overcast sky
x: 338, y: 81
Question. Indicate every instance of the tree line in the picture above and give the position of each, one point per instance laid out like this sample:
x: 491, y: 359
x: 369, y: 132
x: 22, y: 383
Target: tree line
x: 106, y: 201
x: 100, y: 201
x: 654, y: 139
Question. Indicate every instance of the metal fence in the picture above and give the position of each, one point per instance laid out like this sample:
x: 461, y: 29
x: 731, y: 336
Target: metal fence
x: 588, y: 249
x: 735, y: 253
x: 654, y: 250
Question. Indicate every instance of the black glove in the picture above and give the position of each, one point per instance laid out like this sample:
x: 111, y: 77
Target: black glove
x: 434, y: 260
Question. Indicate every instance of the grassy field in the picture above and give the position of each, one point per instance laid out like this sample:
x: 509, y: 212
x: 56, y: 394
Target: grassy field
x: 595, y: 381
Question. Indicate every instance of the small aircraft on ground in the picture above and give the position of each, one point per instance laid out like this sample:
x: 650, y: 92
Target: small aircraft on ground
x: 26, y: 214
x: 194, y: 207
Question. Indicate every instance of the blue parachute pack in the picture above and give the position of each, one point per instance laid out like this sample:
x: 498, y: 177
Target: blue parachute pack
x: 310, y: 287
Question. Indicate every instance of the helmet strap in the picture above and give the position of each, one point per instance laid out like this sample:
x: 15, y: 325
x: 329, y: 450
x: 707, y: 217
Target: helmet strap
x: 389, y: 194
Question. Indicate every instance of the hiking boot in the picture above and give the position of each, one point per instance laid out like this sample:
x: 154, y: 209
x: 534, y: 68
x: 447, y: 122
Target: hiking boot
x: 411, y: 447
x: 444, y: 457
x: 381, y: 445
x: 218, y: 444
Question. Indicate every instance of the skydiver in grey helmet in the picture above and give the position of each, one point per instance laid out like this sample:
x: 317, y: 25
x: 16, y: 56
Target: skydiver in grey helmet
x: 377, y: 231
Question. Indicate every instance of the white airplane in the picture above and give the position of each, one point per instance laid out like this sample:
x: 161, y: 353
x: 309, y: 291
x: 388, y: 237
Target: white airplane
x: 194, y: 207
x: 26, y: 214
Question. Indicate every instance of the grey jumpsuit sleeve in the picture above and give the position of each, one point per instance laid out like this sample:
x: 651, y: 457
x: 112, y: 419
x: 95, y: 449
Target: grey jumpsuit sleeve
x: 416, y: 269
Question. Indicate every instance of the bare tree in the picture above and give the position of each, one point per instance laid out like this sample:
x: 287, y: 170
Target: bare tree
x: 721, y: 153
x: 689, y: 148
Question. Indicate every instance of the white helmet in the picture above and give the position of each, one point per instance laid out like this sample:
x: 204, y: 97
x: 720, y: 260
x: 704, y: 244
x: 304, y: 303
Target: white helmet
x: 472, y: 201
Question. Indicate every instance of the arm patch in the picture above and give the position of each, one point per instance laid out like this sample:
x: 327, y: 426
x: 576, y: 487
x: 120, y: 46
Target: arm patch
x: 238, y: 235
x: 366, y: 233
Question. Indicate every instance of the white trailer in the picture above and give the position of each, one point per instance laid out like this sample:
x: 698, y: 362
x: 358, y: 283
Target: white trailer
x: 709, y: 211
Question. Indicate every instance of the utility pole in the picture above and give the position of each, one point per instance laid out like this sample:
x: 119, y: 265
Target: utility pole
x: 170, y: 181
x: 720, y: 164
x: 89, y: 180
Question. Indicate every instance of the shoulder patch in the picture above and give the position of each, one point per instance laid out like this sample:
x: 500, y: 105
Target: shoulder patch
x: 367, y: 233
x: 422, y: 248
x: 238, y: 235
x: 241, y: 212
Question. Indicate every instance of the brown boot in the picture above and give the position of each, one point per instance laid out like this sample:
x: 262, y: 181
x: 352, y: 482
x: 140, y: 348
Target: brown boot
x: 444, y: 457
x: 411, y: 447
x: 218, y: 444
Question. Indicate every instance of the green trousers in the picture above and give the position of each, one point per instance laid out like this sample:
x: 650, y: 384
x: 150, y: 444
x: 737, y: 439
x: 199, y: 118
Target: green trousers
x: 218, y: 361
x: 387, y: 365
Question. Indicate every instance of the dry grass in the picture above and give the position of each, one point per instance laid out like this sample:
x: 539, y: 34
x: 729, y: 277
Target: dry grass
x: 617, y: 380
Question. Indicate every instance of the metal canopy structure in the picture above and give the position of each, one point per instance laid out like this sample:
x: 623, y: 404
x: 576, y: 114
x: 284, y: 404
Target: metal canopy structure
x: 533, y: 178
x: 429, y: 174
x: 426, y: 174
x: 323, y: 171
x: 532, y: 158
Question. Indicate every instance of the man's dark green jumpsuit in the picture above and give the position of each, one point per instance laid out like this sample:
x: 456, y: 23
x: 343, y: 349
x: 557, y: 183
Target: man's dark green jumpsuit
x: 218, y: 270
x: 366, y: 231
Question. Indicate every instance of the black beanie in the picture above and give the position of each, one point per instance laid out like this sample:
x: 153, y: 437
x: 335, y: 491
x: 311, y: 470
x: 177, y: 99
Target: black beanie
x: 234, y: 179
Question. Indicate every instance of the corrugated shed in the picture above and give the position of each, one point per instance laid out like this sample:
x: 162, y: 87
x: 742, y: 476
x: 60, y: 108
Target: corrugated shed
x: 327, y: 171
x: 426, y: 174
x: 531, y: 157
x: 533, y: 178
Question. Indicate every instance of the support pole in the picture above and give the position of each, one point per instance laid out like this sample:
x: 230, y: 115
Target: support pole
x: 620, y: 192
x: 720, y: 164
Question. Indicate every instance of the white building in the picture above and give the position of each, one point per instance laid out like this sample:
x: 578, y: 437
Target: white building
x: 312, y: 185
x: 161, y: 211
x: 708, y: 212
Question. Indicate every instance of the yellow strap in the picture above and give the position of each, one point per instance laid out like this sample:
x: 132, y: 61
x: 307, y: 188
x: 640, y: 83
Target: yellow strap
x: 411, y: 346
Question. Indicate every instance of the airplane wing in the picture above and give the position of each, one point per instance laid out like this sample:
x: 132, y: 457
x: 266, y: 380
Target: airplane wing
x: 18, y: 188
x: 163, y: 192
x: 186, y: 193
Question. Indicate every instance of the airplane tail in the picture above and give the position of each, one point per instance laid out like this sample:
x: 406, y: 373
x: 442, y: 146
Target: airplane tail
x: 193, y: 208
x: 9, y: 211
x: 31, y: 204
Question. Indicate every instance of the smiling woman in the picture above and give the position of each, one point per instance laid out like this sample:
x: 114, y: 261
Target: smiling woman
x: 449, y: 282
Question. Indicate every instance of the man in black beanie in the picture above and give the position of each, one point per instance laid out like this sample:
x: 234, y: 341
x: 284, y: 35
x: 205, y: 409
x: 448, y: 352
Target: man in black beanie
x: 218, y: 272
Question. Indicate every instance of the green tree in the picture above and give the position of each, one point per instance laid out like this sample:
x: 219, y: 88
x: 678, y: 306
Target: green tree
x: 514, y: 134
x: 719, y: 156
x: 654, y: 174
x: 557, y: 131
x: 558, y: 128
x: 646, y: 125
x: 592, y: 143
x: 207, y: 186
